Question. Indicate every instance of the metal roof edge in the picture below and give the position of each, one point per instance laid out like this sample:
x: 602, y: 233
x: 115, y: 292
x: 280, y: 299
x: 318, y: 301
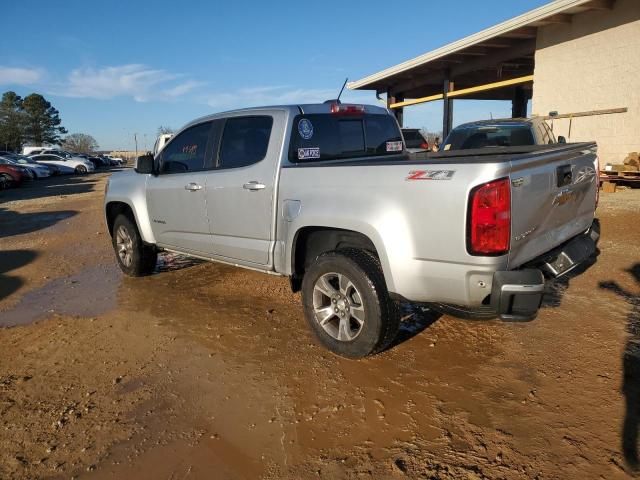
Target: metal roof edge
x: 540, y: 13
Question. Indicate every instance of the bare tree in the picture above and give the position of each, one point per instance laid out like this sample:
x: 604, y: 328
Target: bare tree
x: 163, y: 129
x: 79, y: 142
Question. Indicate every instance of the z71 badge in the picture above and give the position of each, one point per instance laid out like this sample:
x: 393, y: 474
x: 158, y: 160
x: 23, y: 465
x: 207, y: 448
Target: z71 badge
x: 430, y: 175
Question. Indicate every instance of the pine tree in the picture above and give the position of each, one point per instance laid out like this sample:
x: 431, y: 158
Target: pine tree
x: 42, y: 121
x: 12, y: 122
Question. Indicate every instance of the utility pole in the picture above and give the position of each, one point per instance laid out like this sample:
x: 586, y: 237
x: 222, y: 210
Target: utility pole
x: 135, y: 139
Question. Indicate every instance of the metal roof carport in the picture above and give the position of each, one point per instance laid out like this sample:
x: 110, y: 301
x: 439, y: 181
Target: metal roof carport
x: 493, y: 64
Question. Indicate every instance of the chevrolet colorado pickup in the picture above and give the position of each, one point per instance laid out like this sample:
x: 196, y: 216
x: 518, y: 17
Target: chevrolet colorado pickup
x: 327, y: 195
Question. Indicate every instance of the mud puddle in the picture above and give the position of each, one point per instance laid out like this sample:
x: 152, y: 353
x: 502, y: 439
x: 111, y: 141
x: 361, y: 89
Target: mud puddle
x: 89, y: 293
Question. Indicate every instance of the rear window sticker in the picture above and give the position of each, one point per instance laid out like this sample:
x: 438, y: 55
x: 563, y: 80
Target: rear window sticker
x: 305, y: 128
x: 394, y: 146
x: 306, y: 153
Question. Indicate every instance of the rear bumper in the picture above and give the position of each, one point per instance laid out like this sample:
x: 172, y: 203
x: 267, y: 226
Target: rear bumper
x: 516, y: 295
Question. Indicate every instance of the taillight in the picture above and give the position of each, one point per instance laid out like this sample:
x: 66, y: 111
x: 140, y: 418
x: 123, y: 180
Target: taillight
x: 424, y: 145
x: 489, y: 222
x: 345, y: 109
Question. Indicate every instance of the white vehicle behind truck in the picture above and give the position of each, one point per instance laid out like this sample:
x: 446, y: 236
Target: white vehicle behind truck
x: 161, y: 141
x: 327, y: 195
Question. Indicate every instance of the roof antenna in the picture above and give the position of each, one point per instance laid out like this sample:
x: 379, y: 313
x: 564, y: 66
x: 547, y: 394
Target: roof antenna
x: 342, y: 89
x: 337, y: 100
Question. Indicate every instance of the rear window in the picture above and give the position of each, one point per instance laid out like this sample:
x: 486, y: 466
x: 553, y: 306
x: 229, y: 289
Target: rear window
x: 413, y: 138
x: 489, y: 136
x: 318, y: 137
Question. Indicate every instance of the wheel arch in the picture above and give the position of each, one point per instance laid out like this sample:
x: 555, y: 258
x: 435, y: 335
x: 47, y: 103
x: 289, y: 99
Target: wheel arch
x: 311, y: 241
x: 115, y: 208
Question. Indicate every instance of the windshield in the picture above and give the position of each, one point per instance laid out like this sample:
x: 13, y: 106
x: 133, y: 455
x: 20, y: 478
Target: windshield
x: 481, y: 136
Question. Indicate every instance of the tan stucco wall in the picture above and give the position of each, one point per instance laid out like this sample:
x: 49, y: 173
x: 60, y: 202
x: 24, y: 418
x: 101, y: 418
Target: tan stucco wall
x: 592, y: 64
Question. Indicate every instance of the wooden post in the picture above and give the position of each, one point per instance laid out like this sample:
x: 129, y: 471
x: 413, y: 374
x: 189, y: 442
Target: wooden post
x: 447, y: 109
x: 519, y: 103
x: 395, y: 98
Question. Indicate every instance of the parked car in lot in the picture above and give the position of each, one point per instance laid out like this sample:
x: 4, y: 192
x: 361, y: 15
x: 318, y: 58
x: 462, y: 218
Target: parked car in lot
x: 37, y: 169
x: 66, y: 164
x: 508, y: 132
x: 414, y: 140
x: 118, y: 160
x: 11, y: 175
x: 326, y: 195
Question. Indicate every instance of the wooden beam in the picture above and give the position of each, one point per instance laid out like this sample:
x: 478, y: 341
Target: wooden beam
x: 524, y: 32
x: 600, y: 4
x: 495, y: 43
x: 517, y: 50
x: 415, y: 101
x: 491, y: 86
x: 561, y: 18
x: 588, y: 113
x: 464, y: 91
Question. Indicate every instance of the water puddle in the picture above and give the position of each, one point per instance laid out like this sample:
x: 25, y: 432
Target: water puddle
x: 168, y: 261
x: 89, y: 293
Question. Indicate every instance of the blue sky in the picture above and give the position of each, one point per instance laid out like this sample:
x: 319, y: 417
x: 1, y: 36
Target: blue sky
x: 113, y: 68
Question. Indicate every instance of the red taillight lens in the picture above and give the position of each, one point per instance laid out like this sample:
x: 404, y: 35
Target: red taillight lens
x: 424, y: 145
x: 490, y: 218
x: 344, y: 109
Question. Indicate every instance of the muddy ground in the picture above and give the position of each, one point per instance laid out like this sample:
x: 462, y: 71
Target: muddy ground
x: 207, y: 371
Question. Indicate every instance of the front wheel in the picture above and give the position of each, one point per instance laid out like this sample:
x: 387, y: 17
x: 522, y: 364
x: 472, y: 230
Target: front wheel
x: 81, y: 169
x: 134, y: 257
x: 347, y: 305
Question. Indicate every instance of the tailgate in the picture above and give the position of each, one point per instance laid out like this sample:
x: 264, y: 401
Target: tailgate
x: 553, y: 197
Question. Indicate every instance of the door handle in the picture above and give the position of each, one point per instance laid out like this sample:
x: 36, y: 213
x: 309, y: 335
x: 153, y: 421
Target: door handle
x: 192, y: 187
x: 253, y: 186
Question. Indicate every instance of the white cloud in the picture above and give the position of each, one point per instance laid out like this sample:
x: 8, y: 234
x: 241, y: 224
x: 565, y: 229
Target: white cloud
x: 183, y: 88
x: 282, y: 95
x: 140, y: 82
x: 20, y: 76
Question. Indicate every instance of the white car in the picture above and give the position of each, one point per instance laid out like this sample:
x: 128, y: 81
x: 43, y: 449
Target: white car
x: 66, y: 164
x: 39, y: 170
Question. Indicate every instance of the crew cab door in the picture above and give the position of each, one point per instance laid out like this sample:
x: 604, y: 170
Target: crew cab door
x: 240, y: 191
x: 176, y: 196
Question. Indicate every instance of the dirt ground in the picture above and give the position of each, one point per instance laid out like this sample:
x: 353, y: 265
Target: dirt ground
x: 208, y: 371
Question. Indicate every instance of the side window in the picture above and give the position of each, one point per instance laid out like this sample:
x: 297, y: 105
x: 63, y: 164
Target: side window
x: 187, y: 151
x: 244, y: 141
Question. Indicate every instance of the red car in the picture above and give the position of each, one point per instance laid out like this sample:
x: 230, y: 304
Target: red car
x: 10, y: 175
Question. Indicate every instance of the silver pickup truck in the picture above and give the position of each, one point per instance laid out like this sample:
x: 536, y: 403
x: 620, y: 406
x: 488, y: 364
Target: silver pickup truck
x: 327, y: 195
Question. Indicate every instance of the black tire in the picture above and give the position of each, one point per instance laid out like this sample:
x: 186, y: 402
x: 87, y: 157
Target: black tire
x: 143, y: 257
x: 81, y: 169
x: 382, y: 319
x: 7, y: 180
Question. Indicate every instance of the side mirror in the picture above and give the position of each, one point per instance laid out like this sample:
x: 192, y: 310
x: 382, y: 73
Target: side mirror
x: 145, y: 164
x: 561, y: 139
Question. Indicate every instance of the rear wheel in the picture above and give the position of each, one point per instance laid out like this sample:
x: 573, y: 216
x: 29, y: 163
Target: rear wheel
x: 81, y: 169
x: 134, y: 257
x: 347, y: 305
